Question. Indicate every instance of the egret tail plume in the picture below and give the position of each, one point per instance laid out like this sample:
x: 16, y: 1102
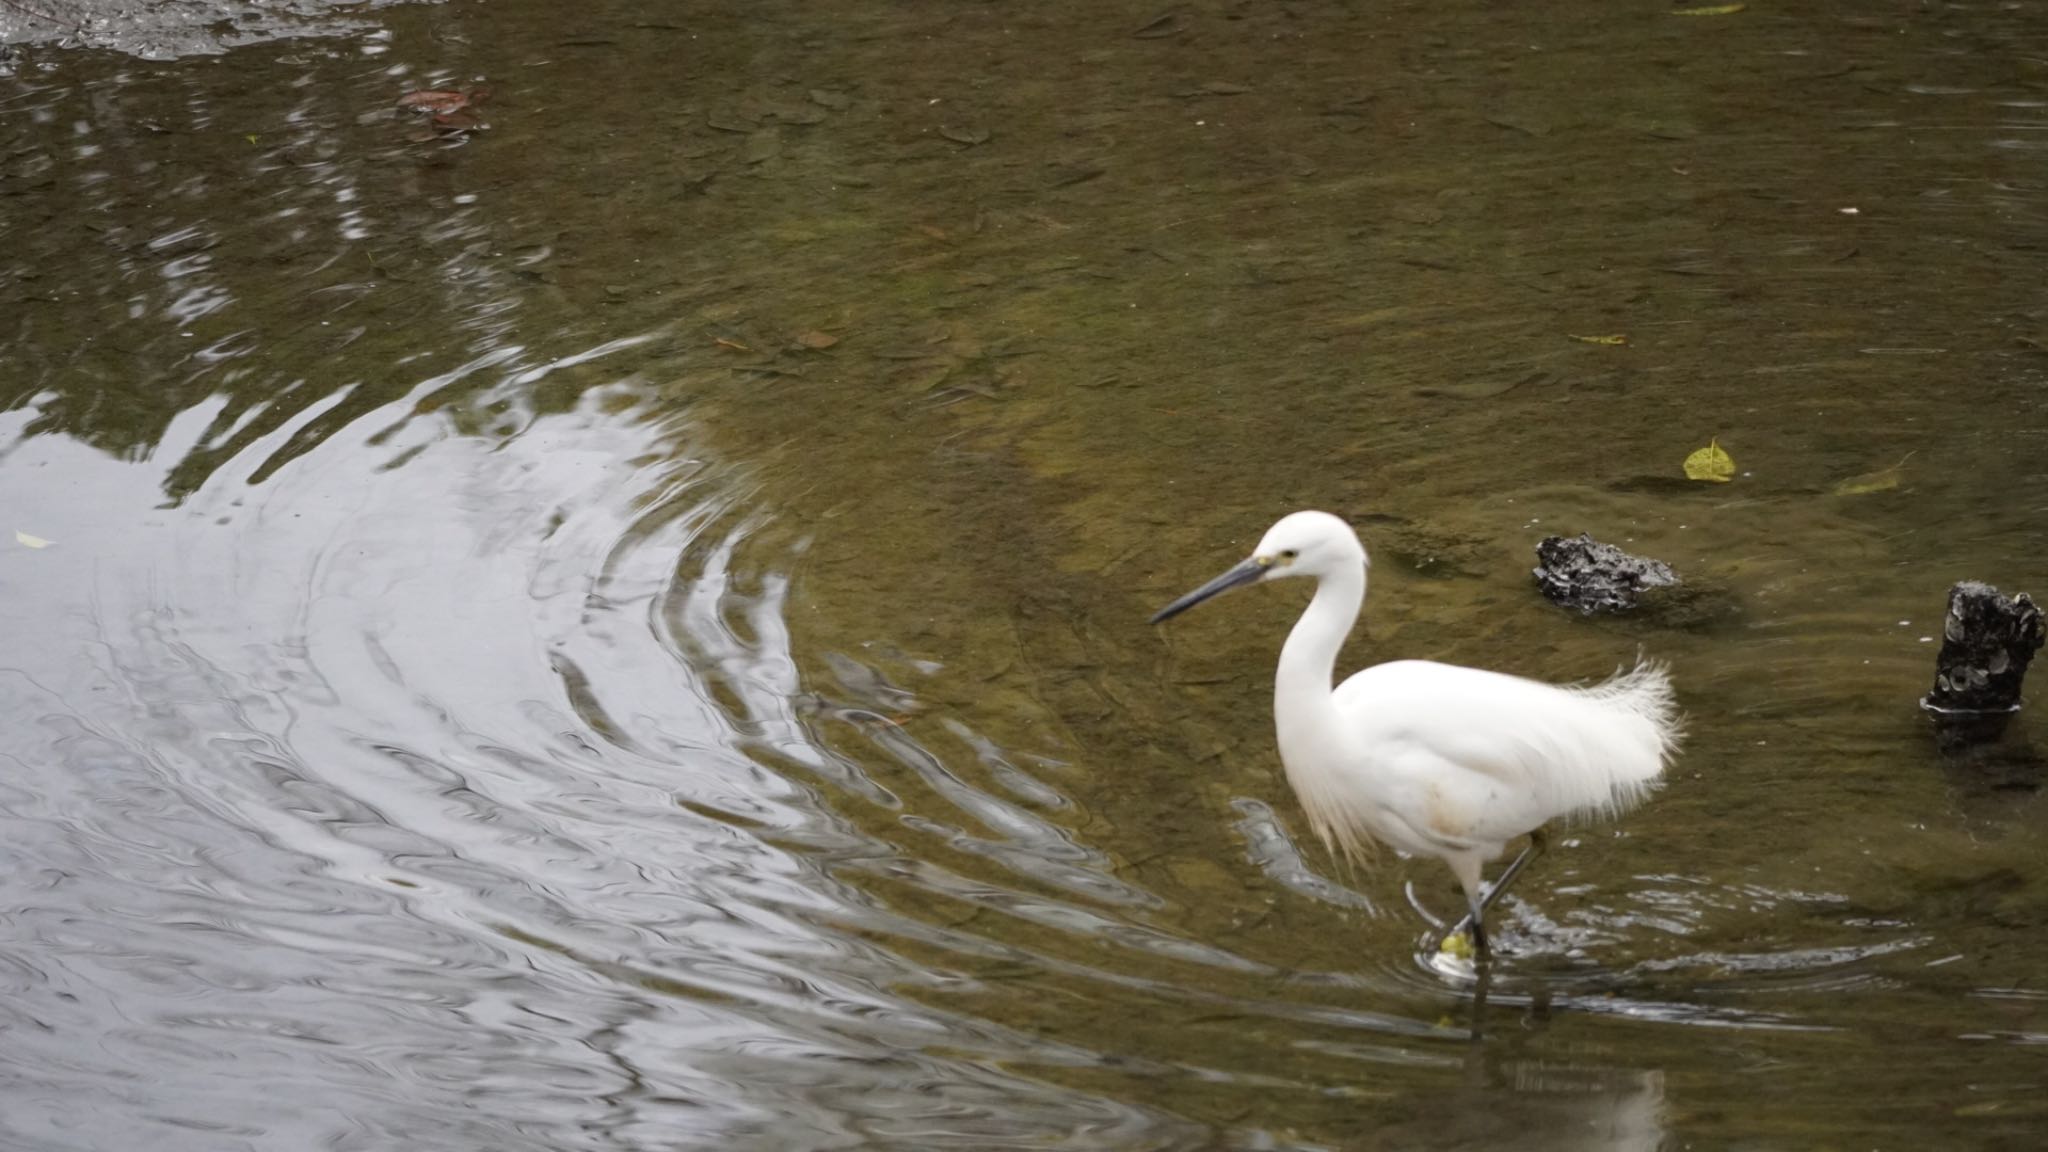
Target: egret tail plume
x: 1625, y: 758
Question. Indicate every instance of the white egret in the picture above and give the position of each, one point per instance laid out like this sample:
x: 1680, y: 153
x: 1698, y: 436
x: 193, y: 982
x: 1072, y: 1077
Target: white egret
x: 1436, y: 759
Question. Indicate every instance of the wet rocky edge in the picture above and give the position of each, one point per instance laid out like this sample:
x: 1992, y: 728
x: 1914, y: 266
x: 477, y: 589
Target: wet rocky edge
x: 32, y: 33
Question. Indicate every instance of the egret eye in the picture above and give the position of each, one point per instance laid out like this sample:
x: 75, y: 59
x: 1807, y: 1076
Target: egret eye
x: 1290, y: 554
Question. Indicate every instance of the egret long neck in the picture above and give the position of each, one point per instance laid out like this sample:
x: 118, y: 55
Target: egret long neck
x: 1302, y: 706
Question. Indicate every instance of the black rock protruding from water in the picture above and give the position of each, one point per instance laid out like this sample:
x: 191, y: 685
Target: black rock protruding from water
x: 1581, y: 572
x: 1987, y: 641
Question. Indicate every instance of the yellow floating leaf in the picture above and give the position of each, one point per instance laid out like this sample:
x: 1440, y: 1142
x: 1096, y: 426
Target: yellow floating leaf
x: 1458, y: 944
x: 1600, y: 339
x: 28, y: 541
x: 1716, y: 10
x: 250, y: 137
x: 1882, y: 480
x: 1711, y: 464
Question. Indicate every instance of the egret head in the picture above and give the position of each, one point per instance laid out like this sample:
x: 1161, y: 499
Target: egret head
x: 1301, y: 544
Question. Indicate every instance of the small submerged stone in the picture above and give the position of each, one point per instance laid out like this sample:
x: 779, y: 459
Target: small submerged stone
x: 1581, y: 572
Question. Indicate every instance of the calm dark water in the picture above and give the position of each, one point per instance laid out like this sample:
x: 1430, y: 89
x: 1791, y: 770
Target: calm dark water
x: 625, y: 627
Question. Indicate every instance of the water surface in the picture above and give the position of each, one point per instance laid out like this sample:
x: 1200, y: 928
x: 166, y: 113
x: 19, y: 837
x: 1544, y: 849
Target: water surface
x: 618, y: 620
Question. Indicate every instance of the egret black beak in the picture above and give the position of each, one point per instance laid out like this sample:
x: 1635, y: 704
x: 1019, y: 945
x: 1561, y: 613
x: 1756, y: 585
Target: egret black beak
x: 1245, y: 573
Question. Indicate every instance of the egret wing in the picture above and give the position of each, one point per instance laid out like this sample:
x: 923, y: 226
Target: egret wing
x: 1498, y: 755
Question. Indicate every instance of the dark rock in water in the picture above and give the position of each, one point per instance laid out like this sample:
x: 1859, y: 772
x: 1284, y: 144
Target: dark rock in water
x: 1580, y: 572
x: 1987, y: 640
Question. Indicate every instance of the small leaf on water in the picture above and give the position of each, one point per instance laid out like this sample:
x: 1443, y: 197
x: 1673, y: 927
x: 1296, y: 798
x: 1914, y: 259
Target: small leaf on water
x: 817, y: 340
x: 1882, y: 480
x: 1616, y: 339
x: 250, y: 137
x: 735, y: 345
x: 28, y: 541
x: 1716, y: 10
x: 1711, y: 464
x: 1458, y: 944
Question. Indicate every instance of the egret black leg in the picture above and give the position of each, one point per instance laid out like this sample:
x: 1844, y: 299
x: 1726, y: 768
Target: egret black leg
x: 1539, y: 842
x: 1475, y: 923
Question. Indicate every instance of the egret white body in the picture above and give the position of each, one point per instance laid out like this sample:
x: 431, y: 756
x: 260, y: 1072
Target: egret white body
x: 1436, y: 759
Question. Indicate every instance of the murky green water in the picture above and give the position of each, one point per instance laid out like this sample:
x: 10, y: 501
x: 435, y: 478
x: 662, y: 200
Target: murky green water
x: 495, y: 681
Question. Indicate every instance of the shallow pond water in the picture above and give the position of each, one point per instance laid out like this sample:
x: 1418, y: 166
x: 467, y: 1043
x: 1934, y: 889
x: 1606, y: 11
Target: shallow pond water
x: 617, y: 618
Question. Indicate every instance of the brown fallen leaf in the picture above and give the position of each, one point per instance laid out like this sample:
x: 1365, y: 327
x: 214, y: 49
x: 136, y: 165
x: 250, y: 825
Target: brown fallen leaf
x: 816, y: 340
x: 449, y: 111
x: 439, y: 101
x: 1608, y: 340
x: 463, y: 120
x: 735, y: 345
